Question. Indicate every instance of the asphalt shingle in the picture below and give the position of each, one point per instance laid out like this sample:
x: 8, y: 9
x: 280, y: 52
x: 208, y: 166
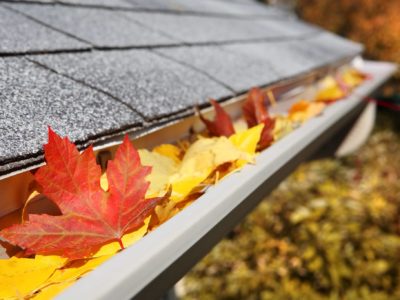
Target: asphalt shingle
x: 327, y: 47
x: 211, y: 7
x: 33, y: 98
x: 290, y: 28
x: 291, y: 58
x: 201, y: 29
x: 19, y: 34
x: 152, y: 85
x: 98, y: 3
x: 236, y: 70
x: 99, y: 27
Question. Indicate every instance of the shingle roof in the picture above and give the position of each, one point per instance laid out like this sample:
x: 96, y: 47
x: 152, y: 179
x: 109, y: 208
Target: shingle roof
x: 92, y: 69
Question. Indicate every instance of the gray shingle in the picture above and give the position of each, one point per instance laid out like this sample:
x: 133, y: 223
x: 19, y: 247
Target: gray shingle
x: 33, y: 98
x: 283, y: 57
x: 211, y: 7
x: 256, y: 64
x: 30, y: 1
x: 291, y: 58
x: 292, y: 27
x: 98, y: 3
x: 327, y: 46
x: 100, y: 27
x: 236, y: 70
x: 151, y: 84
x: 201, y: 29
x: 19, y: 34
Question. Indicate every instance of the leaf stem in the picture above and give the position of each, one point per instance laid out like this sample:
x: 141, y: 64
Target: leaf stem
x: 121, y: 244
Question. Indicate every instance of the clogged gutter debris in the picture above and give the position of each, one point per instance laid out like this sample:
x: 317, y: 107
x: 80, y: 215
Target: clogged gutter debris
x: 108, y: 210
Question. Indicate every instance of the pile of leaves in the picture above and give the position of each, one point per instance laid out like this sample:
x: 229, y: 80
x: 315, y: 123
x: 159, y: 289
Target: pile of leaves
x: 330, y: 231
x: 100, y: 212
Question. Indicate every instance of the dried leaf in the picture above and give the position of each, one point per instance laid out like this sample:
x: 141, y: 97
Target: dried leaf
x: 255, y: 112
x: 283, y: 126
x: 34, y: 196
x: 163, y: 213
x: 222, y: 124
x: 163, y: 168
x: 200, y: 160
x: 254, y: 109
x: 66, y: 276
x: 127, y: 240
x: 49, y: 292
x: 171, y: 151
x: 331, y: 91
x: 91, y: 217
x: 247, y: 140
x: 302, y: 110
x: 20, y: 276
x: 353, y: 78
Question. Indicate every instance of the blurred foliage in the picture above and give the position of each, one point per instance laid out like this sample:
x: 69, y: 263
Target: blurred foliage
x: 330, y: 231
x: 375, y: 23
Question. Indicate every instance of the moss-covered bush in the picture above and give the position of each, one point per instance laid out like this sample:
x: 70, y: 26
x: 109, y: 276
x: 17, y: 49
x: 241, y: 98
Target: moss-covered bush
x: 330, y: 231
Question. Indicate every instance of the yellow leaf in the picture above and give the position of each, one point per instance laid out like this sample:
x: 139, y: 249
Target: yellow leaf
x: 53, y: 290
x: 202, y: 158
x: 164, y: 213
x: 330, y: 91
x: 170, y: 151
x: 76, y: 269
x: 283, y: 126
x: 162, y: 169
x: 22, y: 276
x: 352, y: 77
x: 128, y: 240
x: 247, y: 140
x: 304, y: 110
x: 62, y: 278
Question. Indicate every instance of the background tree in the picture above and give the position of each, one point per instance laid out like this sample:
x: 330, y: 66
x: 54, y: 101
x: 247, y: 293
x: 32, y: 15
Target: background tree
x: 374, y: 23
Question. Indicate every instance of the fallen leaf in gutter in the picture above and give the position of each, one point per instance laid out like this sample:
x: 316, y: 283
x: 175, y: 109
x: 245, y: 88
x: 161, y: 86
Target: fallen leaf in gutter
x: 247, y: 140
x: 283, y: 126
x: 20, y: 276
x: 331, y: 91
x: 303, y: 110
x: 353, y: 78
x: 171, y: 151
x: 222, y: 124
x: 204, y: 156
x: 255, y: 112
x: 128, y: 239
x: 162, y: 168
x: 66, y: 276
x: 90, y: 216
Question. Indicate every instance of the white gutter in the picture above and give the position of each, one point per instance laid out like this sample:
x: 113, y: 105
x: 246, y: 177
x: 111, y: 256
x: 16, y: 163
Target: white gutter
x: 157, y: 261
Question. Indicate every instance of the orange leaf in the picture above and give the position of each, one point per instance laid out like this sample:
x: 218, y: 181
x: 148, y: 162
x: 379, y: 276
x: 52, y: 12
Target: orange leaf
x: 90, y: 216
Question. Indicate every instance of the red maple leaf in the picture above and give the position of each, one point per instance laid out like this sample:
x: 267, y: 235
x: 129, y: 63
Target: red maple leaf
x: 255, y: 112
x: 90, y: 216
x: 221, y: 125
